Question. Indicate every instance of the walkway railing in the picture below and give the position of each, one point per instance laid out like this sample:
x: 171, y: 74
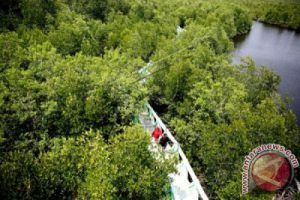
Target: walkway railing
x: 195, y: 182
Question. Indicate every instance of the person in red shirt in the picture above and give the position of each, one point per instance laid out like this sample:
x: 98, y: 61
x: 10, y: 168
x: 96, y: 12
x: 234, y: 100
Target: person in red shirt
x: 156, y: 134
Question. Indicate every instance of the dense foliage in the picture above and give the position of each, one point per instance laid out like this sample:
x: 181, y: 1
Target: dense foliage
x: 284, y: 13
x: 69, y: 89
x: 85, y: 167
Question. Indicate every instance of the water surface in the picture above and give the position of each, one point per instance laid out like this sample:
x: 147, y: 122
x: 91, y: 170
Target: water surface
x: 278, y: 49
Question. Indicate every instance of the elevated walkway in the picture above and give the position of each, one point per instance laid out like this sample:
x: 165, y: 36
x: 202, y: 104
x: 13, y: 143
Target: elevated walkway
x: 184, y: 183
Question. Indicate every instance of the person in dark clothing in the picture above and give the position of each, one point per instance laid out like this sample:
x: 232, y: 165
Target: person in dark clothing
x: 164, y: 140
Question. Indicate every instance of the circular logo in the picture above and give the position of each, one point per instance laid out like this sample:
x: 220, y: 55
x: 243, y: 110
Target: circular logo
x: 271, y: 171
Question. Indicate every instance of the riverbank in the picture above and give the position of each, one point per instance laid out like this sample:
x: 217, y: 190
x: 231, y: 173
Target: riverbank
x: 284, y: 14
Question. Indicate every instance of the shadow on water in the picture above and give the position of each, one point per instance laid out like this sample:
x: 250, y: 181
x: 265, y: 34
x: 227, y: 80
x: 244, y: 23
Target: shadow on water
x: 239, y: 39
x: 279, y: 50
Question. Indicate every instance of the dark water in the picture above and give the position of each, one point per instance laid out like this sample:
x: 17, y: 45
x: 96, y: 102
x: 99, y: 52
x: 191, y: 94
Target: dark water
x: 278, y: 49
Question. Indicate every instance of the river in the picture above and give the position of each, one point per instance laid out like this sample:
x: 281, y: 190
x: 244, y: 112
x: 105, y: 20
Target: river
x: 279, y: 50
